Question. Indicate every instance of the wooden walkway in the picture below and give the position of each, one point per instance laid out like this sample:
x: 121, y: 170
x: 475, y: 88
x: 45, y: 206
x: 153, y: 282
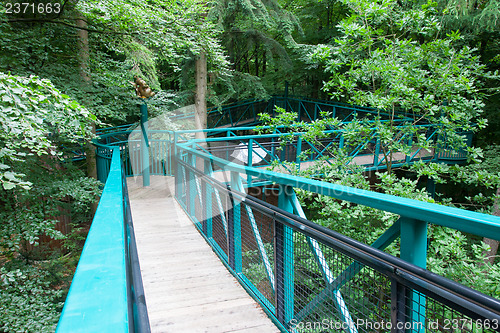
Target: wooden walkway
x: 187, y: 288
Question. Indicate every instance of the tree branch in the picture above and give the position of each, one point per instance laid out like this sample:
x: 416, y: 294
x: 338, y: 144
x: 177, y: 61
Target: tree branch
x: 68, y: 25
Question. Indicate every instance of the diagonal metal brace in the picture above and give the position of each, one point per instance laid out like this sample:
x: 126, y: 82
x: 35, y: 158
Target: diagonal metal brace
x: 381, y: 243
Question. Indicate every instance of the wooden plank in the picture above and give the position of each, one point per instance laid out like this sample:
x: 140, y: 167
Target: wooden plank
x: 186, y: 286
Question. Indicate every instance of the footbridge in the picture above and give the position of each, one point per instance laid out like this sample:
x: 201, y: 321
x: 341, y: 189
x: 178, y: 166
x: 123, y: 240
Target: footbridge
x: 218, y: 241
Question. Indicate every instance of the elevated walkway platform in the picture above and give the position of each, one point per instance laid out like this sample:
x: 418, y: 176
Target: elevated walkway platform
x: 187, y: 287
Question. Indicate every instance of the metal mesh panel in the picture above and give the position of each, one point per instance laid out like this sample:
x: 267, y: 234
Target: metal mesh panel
x: 258, y: 251
x: 199, y: 202
x: 362, y: 297
x: 312, y: 283
x: 441, y: 318
x: 219, y: 218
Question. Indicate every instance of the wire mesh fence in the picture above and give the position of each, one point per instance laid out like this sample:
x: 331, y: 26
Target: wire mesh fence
x: 311, y: 279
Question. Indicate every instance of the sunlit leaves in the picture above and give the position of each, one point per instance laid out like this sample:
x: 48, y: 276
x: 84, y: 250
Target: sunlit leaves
x: 34, y: 113
x: 397, y: 59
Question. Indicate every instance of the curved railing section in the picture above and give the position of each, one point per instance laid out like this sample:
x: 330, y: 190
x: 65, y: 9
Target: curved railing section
x: 106, y: 293
x: 311, y: 279
x: 246, y: 113
x: 236, y: 119
x: 236, y: 144
x: 306, y: 277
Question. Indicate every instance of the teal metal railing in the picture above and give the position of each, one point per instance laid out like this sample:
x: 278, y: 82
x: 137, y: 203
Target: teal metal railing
x: 246, y: 113
x: 228, y: 123
x: 106, y: 292
x: 298, y: 271
x: 302, y: 273
x: 227, y: 142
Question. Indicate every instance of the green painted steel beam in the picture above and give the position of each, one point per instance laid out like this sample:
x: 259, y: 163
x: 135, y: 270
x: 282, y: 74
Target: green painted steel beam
x: 414, y: 250
x: 287, y: 264
x: 463, y: 220
x: 236, y: 185
x: 208, y: 204
x: 145, y: 145
x: 97, y: 299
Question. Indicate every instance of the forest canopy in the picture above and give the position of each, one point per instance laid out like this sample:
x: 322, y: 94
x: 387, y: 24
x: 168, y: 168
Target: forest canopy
x: 66, y: 68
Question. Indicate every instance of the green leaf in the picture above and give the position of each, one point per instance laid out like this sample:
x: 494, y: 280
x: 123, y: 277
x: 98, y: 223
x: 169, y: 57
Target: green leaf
x: 8, y: 185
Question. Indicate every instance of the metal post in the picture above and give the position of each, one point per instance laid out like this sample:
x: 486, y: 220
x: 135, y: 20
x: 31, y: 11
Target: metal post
x: 192, y: 187
x: 284, y: 265
x: 414, y: 241
x: 144, y: 145
x: 376, y: 153
x: 230, y: 229
x: 187, y: 189
x: 414, y: 250
x: 298, y: 151
x: 249, y: 161
x: 234, y: 226
x: 177, y: 180
x: 204, y: 215
x: 177, y: 170
x: 208, y: 201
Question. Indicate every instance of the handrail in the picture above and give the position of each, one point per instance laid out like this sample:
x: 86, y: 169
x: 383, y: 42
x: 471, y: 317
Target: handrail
x: 137, y: 298
x: 464, y: 220
x: 100, y: 298
x: 465, y: 299
x: 162, y: 164
x: 409, y: 286
x: 220, y: 112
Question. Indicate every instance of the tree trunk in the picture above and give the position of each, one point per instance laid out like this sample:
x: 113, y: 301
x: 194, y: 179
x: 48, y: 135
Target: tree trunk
x: 201, y: 91
x: 83, y: 56
x: 246, y: 66
x: 257, y: 58
x: 264, y: 61
x: 493, y: 243
x: 200, y: 116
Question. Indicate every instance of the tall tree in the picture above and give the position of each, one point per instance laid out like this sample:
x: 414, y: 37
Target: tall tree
x: 201, y: 92
x: 257, y: 36
x: 90, y: 50
x: 84, y: 58
x: 397, y: 60
x: 36, y: 122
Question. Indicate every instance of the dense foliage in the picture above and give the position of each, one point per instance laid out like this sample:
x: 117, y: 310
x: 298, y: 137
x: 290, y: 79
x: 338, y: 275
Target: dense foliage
x: 424, y: 63
x: 400, y: 60
x: 39, y: 185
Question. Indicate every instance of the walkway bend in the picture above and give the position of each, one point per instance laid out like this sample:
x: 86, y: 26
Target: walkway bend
x: 187, y: 287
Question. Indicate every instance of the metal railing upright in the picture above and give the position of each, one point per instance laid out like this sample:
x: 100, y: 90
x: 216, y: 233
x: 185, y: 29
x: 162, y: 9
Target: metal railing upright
x: 311, y: 279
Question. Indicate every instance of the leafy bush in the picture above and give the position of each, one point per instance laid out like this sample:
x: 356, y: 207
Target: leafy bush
x: 39, y: 127
x: 29, y: 303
